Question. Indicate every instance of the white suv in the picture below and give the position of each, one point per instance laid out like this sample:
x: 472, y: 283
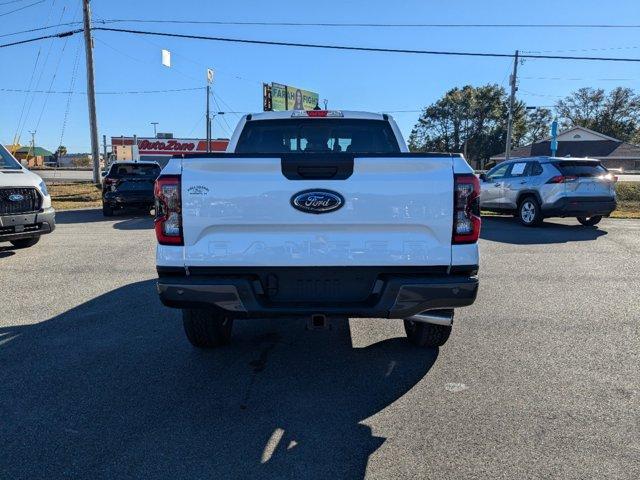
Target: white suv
x: 539, y: 187
x: 25, y: 204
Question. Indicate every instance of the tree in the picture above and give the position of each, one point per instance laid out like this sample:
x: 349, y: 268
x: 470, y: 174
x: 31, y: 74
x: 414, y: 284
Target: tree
x: 471, y: 117
x: 62, y: 151
x: 538, y: 124
x: 616, y: 114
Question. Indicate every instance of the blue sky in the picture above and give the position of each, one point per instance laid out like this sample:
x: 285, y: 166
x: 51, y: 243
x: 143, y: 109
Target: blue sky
x: 349, y: 80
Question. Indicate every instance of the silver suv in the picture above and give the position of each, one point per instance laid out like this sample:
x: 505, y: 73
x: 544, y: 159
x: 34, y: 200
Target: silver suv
x: 534, y: 188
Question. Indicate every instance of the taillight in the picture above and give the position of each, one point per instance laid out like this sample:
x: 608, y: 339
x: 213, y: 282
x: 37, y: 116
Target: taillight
x: 562, y: 179
x: 466, y: 209
x: 168, y: 221
x: 109, y: 182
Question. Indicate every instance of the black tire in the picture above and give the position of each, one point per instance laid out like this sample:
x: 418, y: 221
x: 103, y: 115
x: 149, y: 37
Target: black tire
x: 529, y: 212
x: 590, y: 221
x: 207, y: 328
x: 25, y: 242
x: 107, y: 211
x: 426, y: 335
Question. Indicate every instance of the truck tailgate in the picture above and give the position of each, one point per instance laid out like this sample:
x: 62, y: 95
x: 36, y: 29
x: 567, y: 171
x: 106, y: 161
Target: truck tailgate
x: 237, y: 211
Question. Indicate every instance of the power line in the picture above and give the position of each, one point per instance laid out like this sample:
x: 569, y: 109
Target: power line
x: 44, y: 37
x: 21, y: 8
x: 9, y: 2
x: 359, y: 49
x: 327, y: 47
x: 55, y: 72
x: 39, y: 29
x: 74, y: 72
x: 581, y: 79
x: 371, y: 25
x: 43, y: 68
x: 134, y: 92
x: 16, y: 137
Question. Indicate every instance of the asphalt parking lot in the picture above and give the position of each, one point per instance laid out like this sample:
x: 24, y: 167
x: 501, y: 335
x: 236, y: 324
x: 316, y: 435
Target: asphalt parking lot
x: 539, y: 380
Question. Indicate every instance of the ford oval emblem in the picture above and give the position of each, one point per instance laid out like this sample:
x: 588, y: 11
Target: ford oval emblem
x: 317, y: 201
x: 16, y: 197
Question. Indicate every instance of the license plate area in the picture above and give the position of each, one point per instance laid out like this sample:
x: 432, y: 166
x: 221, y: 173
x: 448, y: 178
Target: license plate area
x: 319, y: 285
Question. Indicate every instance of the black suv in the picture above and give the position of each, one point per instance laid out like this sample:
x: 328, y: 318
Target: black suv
x: 129, y: 185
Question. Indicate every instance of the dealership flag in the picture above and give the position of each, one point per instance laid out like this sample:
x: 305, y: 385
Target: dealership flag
x: 166, y: 58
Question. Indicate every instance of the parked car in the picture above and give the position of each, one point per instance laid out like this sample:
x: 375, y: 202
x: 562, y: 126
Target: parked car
x: 25, y: 204
x: 539, y: 187
x: 317, y: 214
x: 129, y: 185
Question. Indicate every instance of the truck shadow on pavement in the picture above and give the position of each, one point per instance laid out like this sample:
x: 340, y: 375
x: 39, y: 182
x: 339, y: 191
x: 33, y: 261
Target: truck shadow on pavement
x: 6, y: 251
x: 112, y: 389
x: 509, y: 230
x: 126, y: 220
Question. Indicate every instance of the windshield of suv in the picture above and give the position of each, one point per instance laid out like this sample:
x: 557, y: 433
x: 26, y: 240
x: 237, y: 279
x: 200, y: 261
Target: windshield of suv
x: 581, y: 169
x: 326, y: 135
x: 7, y: 162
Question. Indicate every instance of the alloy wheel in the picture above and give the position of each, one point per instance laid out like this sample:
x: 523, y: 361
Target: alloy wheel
x: 528, y: 212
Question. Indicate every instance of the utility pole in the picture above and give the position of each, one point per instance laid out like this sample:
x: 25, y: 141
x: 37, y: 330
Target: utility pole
x: 155, y: 129
x: 91, y: 91
x: 33, y: 145
x: 512, y: 102
x: 208, y: 120
x: 104, y: 149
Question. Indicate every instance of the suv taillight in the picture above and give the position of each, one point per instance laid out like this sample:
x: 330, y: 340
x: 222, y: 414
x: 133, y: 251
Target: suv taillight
x: 562, y: 179
x: 466, y: 209
x: 168, y: 221
x: 108, y: 183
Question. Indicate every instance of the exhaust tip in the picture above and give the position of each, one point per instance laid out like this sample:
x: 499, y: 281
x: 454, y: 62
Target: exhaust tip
x: 434, y: 317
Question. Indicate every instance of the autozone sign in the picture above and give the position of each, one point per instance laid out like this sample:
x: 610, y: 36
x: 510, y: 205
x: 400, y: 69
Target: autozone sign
x: 170, y: 146
x: 154, y: 146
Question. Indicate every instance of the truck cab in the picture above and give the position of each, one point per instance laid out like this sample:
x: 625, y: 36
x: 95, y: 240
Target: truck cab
x: 317, y: 214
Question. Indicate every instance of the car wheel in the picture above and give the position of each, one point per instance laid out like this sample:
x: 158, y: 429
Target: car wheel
x: 590, y: 221
x: 529, y: 212
x: 426, y: 335
x: 25, y: 242
x: 207, y: 328
x: 107, y: 211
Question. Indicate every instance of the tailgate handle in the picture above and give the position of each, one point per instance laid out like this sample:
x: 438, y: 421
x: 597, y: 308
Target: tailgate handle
x: 317, y: 166
x: 314, y: 172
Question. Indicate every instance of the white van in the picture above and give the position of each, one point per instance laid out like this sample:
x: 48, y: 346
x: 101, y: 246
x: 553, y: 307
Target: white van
x: 25, y: 204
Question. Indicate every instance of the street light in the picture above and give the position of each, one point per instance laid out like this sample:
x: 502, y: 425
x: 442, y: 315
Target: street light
x: 212, y: 119
x: 155, y: 132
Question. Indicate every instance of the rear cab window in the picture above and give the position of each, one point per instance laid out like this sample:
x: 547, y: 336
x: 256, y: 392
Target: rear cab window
x: 317, y: 135
x: 142, y: 170
x: 580, y: 168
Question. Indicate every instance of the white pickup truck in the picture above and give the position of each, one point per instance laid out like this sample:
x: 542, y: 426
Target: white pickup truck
x: 317, y: 214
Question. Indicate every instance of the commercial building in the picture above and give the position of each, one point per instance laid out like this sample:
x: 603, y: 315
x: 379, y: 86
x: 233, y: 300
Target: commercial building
x: 580, y: 142
x: 33, y: 156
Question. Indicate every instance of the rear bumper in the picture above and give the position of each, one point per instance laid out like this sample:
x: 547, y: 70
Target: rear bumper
x: 124, y: 200
x: 580, y: 206
x: 391, y: 296
x: 27, y: 225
